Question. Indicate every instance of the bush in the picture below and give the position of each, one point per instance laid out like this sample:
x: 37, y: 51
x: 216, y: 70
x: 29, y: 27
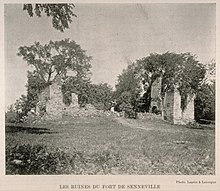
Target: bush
x: 11, y: 117
x: 106, y: 160
x: 130, y: 113
x: 205, y: 103
x: 27, y: 159
x: 100, y: 95
x: 39, y: 159
x: 194, y: 125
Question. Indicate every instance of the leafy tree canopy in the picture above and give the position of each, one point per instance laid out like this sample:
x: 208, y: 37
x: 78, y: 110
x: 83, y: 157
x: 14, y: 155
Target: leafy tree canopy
x: 177, y: 71
x: 205, y: 98
x: 181, y: 71
x: 99, y: 95
x: 205, y: 102
x: 61, y: 13
x: 128, y: 81
x: 127, y: 89
x: 210, y: 72
x: 34, y: 86
x: 56, y: 58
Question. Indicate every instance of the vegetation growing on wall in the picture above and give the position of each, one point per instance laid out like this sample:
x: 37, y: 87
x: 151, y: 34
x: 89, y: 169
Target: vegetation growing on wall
x: 177, y: 71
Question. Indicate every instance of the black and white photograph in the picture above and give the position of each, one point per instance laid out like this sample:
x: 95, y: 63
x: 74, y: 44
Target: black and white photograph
x: 110, y: 89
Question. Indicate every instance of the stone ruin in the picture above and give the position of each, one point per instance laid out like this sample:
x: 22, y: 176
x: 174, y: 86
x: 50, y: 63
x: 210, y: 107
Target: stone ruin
x: 172, y: 111
x: 51, y: 103
x: 52, y: 106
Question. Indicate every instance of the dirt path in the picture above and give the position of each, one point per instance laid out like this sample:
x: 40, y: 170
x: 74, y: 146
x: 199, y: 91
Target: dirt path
x: 151, y: 125
x: 133, y: 124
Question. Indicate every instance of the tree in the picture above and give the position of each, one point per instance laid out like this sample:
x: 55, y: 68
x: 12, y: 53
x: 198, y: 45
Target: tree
x: 11, y: 115
x: 50, y: 60
x: 149, y: 69
x: 81, y: 87
x: 100, y: 95
x: 128, y: 89
x: 61, y: 13
x: 34, y: 86
x: 181, y: 72
x: 55, y: 58
x: 205, y: 102
x: 205, y: 98
x: 210, y: 72
x: 177, y: 71
x: 17, y: 111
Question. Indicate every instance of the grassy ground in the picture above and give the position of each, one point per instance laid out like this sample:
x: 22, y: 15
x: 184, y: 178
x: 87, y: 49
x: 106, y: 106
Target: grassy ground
x: 111, y: 145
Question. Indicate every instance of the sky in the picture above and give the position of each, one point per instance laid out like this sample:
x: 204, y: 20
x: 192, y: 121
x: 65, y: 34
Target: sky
x: 113, y: 34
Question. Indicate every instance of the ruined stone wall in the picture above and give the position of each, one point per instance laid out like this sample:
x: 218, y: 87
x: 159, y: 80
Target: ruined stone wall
x: 186, y: 116
x: 169, y: 106
x: 43, y: 97
x: 155, y: 94
x: 173, y: 111
x: 142, y: 90
x: 55, y: 105
x: 177, y: 118
x: 52, y: 98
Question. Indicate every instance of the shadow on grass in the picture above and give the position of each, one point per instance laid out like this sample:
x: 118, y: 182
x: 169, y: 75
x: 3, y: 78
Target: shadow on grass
x: 14, y: 128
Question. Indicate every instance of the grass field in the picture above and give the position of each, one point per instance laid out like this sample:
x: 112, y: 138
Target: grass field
x: 110, y: 145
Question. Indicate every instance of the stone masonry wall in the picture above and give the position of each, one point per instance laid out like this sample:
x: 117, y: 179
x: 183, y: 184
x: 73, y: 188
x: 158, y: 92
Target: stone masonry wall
x: 43, y: 97
x: 173, y: 111
x: 169, y: 106
x: 55, y: 105
x: 55, y: 108
x: 186, y: 116
x: 172, y: 105
x: 155, y: 94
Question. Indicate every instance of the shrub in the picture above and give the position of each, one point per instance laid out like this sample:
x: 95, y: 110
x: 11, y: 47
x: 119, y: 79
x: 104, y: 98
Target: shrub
x: 106, y: 160
x: 100, y: 95
x: 205, y: 103
x: 39, y: 159
x: 27, y: 159
x: 194, y: 125
x: 130, y: 113
x: 11, y: 117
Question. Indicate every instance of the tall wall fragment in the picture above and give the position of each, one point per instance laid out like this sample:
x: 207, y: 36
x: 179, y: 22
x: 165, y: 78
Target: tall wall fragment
x: 173, y: 111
